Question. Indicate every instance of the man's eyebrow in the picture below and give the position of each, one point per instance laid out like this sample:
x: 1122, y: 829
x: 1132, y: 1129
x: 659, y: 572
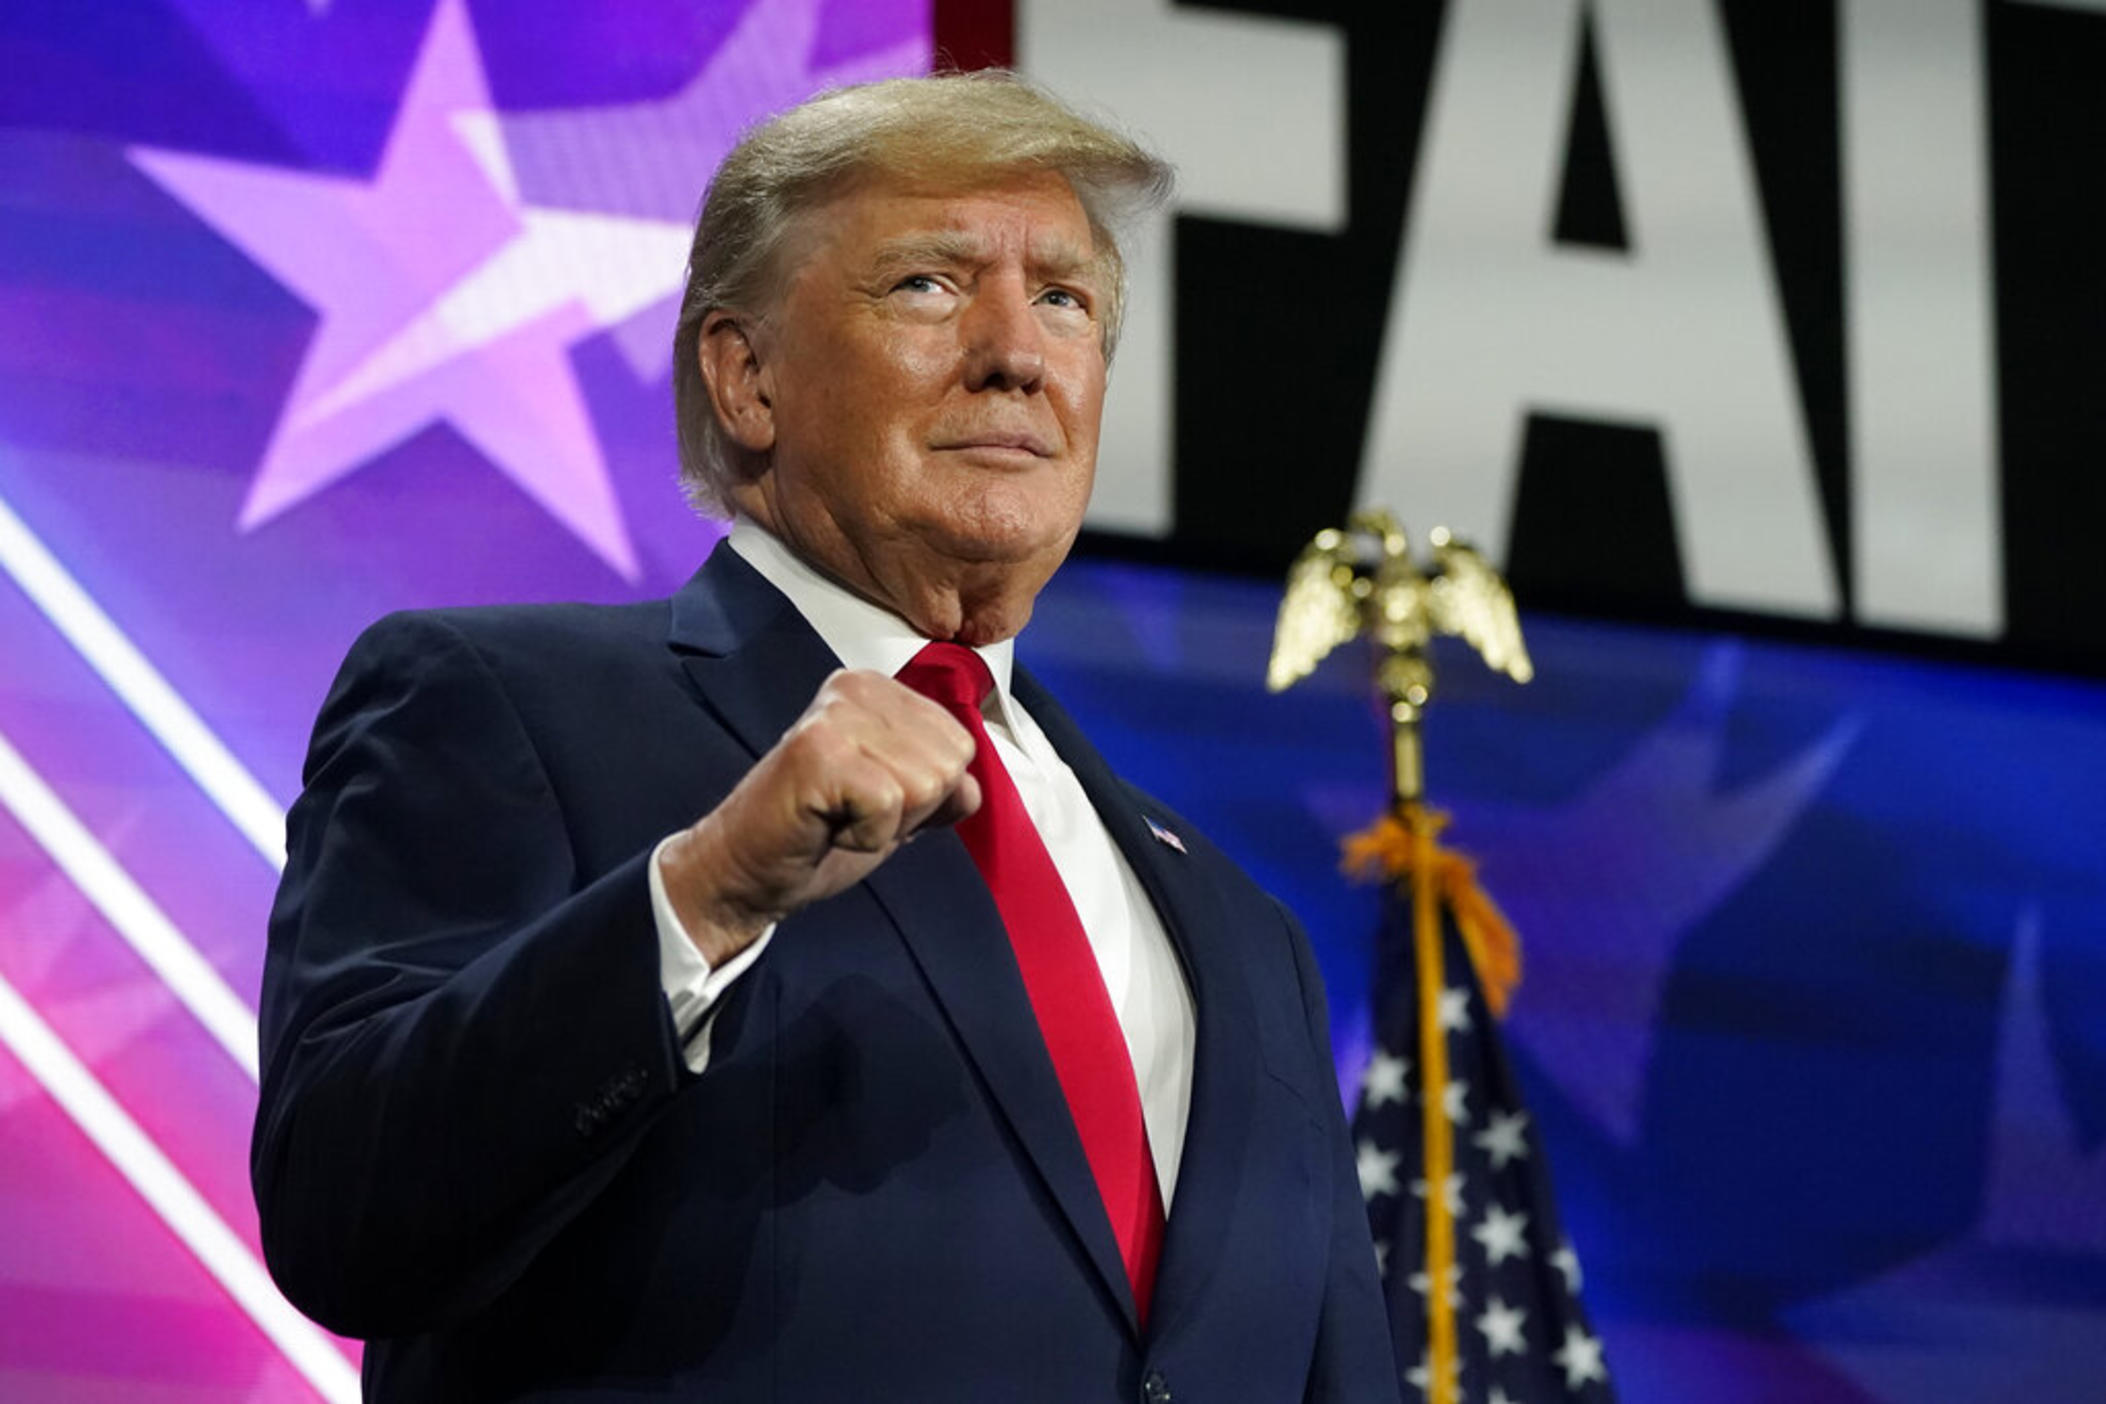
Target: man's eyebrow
x: 939, y: 246
x: 1057, y: 257
x: 1063, y: 258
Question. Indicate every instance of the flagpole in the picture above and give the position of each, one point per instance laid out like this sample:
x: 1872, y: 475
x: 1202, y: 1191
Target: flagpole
x: 1439, y: 1135
x: 1362, y: 581
x: 1405, y: 675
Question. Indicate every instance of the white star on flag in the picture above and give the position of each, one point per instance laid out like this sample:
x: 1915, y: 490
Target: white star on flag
x: 1378, y: 1170
x: 1452, y: 1098
x: 1451, y: 1192
x: 1501, y: 1234
x: 1502, y: 1139
x: 1501, y: 1325
x: 1454, y: 1013
x: 1384, y: 1080
x: 1567, y: 1263
x: 1420, y: 1377
x: 1580, y: 1358
x: 1422, y: 1283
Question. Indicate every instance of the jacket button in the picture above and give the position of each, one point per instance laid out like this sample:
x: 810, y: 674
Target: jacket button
x: 1155, y: 1389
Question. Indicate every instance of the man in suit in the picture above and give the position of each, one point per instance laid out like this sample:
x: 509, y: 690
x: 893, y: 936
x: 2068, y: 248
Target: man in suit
x: 767, y: 993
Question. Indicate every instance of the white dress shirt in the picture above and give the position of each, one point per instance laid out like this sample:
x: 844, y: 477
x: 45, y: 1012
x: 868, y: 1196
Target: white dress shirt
x: 1141, y: 971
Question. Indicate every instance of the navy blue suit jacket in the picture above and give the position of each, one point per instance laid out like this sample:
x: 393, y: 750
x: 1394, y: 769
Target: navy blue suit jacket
x: 479, y: 1147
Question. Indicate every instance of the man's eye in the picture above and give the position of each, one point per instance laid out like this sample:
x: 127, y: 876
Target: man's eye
x: 918, y: 283
x: 1064, y: 298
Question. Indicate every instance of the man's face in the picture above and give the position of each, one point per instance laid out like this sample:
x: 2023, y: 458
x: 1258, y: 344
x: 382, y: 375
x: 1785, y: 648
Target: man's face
x: 934, y: 377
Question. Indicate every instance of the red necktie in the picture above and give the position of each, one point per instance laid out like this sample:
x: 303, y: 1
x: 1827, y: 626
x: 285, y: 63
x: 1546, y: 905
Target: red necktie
x: 1060, y: 971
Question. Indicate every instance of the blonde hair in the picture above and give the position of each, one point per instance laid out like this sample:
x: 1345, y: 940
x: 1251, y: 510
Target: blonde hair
x: 951, y: 129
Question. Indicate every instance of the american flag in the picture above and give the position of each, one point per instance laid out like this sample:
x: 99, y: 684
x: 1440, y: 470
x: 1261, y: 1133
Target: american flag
x: 1522, y: 1334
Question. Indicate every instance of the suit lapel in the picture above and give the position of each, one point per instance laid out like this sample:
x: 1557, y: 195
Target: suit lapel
x: 755, y: 661
x: 757, y: 665
x: 943, y: 910
x: 1225, y: 1059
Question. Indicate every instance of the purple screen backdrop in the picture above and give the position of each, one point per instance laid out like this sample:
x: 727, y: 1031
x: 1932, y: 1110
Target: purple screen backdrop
x: 313, y: 309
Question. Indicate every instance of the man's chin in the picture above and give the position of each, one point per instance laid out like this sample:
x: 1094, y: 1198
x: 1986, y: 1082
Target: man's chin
x: 1004, y: 521
x: 976, y: 585
x: 1030, y: 549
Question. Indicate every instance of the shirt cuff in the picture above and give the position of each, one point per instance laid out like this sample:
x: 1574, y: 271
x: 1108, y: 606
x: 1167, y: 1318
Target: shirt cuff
x: 692, y: 987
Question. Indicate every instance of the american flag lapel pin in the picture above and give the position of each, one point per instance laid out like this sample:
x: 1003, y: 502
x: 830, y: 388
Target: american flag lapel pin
x: 1163, y: 835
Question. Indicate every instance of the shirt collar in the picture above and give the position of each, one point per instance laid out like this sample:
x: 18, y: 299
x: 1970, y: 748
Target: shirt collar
x: 860, y: 633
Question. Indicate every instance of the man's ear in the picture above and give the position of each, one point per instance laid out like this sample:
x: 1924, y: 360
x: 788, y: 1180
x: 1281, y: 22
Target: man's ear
x: 736, y: 380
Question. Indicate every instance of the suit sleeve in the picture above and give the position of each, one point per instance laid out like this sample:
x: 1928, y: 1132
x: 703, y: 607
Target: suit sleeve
x: 461, y: 1039
x: 1353, y: 1363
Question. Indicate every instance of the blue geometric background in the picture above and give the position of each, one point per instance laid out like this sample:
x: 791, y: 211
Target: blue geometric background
x: 1816, y: 949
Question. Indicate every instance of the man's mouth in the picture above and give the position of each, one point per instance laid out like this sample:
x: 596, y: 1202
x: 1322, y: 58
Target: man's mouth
x: 1015, y: 442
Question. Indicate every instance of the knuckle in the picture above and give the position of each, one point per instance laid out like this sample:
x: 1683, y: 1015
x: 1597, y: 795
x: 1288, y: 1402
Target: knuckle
x: 816, y: 741
x: 924, y: 787
x: 885, y: 795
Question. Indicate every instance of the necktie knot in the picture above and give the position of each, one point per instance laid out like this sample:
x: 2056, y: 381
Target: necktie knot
x: 950, y: 674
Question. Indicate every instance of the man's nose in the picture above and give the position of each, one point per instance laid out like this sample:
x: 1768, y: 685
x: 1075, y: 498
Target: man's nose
x: 1004, y: 341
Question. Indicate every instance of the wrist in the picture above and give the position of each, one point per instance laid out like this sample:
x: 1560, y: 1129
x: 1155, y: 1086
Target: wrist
x: 716, y: 919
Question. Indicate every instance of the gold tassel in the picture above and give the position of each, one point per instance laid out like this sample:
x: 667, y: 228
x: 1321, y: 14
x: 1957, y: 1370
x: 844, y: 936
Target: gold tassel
x: 1385, y: 851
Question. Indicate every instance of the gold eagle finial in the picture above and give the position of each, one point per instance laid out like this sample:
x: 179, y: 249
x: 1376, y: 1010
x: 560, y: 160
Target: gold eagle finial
x: 1338, y: 589
x: 1363, y: 580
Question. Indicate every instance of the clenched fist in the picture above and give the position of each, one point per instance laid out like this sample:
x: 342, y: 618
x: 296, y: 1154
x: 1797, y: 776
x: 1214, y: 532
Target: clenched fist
x: 870, y: 764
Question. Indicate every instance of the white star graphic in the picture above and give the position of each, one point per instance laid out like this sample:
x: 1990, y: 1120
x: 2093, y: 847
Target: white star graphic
x: 1453, y: 1096
x: 1452, y: 1192
x: 651, y: 158
x: 1567, y: 1263
x: 1499, y: 1396
x: 1384, y: 1080
x: 1378, y: 1170
x: 1501, y: 1234
x: 1503, y: 1139
x: 1501, y: 1325
x: 1455, y: 1010
x: 441, y: 297
x: 1580, y: 1358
